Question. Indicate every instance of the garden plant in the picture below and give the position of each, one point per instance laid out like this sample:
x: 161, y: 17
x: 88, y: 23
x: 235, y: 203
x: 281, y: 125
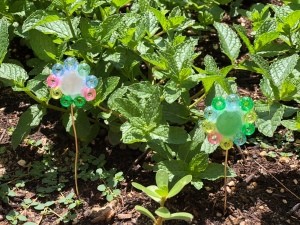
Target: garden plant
x: 156, y: 79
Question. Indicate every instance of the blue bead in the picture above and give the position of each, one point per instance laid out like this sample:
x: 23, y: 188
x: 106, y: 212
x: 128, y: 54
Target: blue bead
x: 210, y: 113
x: 57, y: 69
x: 233, y: 102
x: 84, y: 69
x: 91, y: 81
x: 71, y: 63
x: 240, y: 139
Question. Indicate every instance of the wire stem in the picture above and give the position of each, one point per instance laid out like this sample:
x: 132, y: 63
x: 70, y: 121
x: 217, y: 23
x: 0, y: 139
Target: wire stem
x: 76, y: 151
x: 225, y: 182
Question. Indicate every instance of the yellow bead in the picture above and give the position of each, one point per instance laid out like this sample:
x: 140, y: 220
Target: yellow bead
x: 208, y: 126
x: 226, y: 144
x: 55, y: 93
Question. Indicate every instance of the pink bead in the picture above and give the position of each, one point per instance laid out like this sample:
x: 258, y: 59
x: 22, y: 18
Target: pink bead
x: 89, y: 93
x: 52, y: 81
x: 214, y: 138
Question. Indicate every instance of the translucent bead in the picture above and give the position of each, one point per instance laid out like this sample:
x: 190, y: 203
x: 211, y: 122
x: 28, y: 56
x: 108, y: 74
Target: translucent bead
x: 250, y: 117
x: 72, y: 83
x: 214, y: 138
x: 229, y: 123
x: 208, y: 126
x: 210, y: 113
x: 55, y: 93
x: 91, y: 81
x: 66, y: 101
x: 226, y: 144
x: 247, y: 104
x: 79, y: 101
x: 218, y: 103
x: 248, y: 128
x: 239, y: 139
x: 84, y: 69
x: 89, y: 93
x: 232, y: 102
x: 52, y: 81
x: 71, y: 63
x: 57, y: 69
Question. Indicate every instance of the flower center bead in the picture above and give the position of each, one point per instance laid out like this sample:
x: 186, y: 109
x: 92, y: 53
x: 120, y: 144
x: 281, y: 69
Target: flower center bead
x: 229, y: 123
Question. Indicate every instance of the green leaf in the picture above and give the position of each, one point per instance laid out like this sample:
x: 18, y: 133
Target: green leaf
x: 39, y: 17
x: 215, y: 171
x: 230, y: 43
x: 4, y: 42
x: 243, y: 35
x: 28, y: 120
x: 280, y: 69
x: 105, y: 88
x: 198, y: 163
x: 176, y: 113
x: 268, y: 122
x: 265, y: 39
x: 181, y: 216
x: 173, y: 135
x: 145, y: 212
x: 179, y: 185
x: 160, y: 16
x: 207, y: 147
x: 163, y: 212
x: 58, y: 28
x: 131, y: 134
x: 291, y: 124
x: 127, y: 108
x: 171, y: 92
x: 162, y: 179
x: 29, y: 223
x: 14, y: 74
x: 148, y: 191
x: 43, y: 46
x: 120, y: 3
x: 176, y: 168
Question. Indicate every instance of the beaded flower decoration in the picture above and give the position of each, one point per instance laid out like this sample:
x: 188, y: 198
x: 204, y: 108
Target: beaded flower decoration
x: 72, y: 83
x: 229, y: 120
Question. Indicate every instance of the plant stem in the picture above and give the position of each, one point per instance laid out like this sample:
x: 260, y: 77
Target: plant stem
x: 197, y: 101
x: 49, y: 106
x: 76, y: 149
x: 69, y: 20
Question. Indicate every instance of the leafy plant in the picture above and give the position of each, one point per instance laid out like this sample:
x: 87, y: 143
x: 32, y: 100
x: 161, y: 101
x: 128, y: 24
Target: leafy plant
x: 15, y: 217
x: 160, y: 193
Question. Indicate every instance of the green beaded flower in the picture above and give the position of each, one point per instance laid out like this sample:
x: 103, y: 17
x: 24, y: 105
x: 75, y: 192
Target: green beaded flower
x: 229, y: 120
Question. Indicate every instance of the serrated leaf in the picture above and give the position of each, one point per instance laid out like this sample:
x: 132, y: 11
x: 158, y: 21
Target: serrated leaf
x: 215, y: 171
x: 126, y: 107
x: 243, y: 35
x: 39, y: 17
x: 145, y: 212
x: 265, y: 39
x: 42, y: 45
x: 173, y: 135
x: 176, y: 168
x: 120, y: 3
x: 4, y: 42
x: 198, y: 163
x: 28, y: 120
x: 230, y: 43
x: 105, y: 88
x: 58, y: 28
x: 171, y: 92
x: 211, y: 65
x: 131, y: 134
x: 268, y: 122
x: 13, y: 73
x: 280, y: 69
x: 176, y: 113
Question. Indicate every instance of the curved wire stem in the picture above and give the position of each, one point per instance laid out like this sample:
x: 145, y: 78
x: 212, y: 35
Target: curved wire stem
x: 225, y: 181
x: 76, y: 151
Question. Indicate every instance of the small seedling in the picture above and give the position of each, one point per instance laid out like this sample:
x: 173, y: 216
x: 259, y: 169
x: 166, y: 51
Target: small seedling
x: 15, y: 217
x: 160, y: 193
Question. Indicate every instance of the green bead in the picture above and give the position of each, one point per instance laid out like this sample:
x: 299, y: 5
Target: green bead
x: 250, y: 117
x: 79, y: 101
x: 229, y: 123
x: 248, y: 128
x: 247, y: 104
x: 66, y: 101
x: 218, y: 103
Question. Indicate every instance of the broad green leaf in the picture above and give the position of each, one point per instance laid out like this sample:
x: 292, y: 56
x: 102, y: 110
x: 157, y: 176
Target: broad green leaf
x: 215, y: 171
x: 171, y: 92
x: 181, y: 216
x: 120, y: 3
x: 160, y: 16
x: 280, y: 69
x: 163, y: 212
x: 127, y: 108
x: 211, y: 65
x: 28, y: 120
x: 268, y: 122
x: 262, y: 64
x: 268, y: 25
x: 242, y: 33
x: 39, y: 17
x: 105, y: 87
x: 176, y: 168
x: 198, y: 163
x: 179, y: 185
x: 156, y: 60
x: 29, y: 223
x: 131, y: 134
x: 291, y: 124
x: 38, y: 87
x: 42, y: 45
x: 162, y: 179
x: 287, y: 91
x: 145, y: 212
x: 230, y: 43
x: 59, y: 28
x: 108, y: 29
x: 14, y: 74
x: 176, y: 113
x: 4, y: 42
x: 265, y: 39
x: 148, y: 191
x: 173, y: 135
